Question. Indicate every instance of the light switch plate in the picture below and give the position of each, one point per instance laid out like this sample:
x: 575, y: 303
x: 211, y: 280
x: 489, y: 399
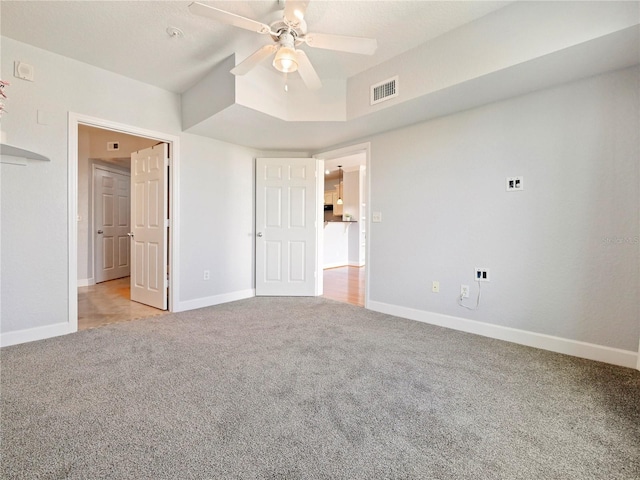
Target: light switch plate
x: 515, y: 184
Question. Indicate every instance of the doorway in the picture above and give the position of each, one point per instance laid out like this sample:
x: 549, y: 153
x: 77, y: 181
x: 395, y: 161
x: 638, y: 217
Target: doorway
x: 79, y: 226
x: 104, y: 227
x: 345, y: 227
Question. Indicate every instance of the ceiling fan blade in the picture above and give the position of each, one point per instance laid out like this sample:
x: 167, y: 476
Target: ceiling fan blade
x: 228, y: 18
x: 364, y: 46
x: 294, y: 11
x: 254, y: 59
x: 307, y: 72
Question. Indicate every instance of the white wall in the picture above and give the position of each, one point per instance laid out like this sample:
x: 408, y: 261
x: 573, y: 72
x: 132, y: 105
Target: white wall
x: 336, y: 244
x: 563, y: 253
x: 34, y: 209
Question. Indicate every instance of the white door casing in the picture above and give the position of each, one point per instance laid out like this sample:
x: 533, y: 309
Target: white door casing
x: 149, y: 221
x: 287, y: 206
x: 111, y: 224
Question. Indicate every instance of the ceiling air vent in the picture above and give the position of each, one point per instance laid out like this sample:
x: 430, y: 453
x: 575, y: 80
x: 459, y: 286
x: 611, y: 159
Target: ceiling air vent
x: 384, y: 90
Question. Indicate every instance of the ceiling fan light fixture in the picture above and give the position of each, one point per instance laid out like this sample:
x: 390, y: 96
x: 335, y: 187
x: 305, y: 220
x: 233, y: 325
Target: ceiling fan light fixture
x: 285, y: 60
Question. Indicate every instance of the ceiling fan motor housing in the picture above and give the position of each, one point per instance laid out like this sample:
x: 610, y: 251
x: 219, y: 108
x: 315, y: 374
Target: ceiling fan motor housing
x: 281, y: 27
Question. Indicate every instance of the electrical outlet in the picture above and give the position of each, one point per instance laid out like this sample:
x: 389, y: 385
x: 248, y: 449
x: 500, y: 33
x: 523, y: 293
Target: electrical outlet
x: 464, y: 291
x: 482, y: 275
x: 206, y: 275
x: 435, y: 286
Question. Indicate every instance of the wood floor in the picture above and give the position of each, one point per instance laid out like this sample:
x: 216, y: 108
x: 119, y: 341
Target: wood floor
x: 109, y: 302
x: 345, y: 284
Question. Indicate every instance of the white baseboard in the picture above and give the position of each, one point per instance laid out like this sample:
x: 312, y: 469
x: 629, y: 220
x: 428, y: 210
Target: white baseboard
x: 356, y: 264
x: 213, y: 300
x: 86, y: 282
x: 600, y: 353
x: 32, y: 334
x: 334, y: 265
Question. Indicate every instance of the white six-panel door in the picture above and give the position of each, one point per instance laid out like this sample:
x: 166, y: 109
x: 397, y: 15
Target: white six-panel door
x: 149, y: 221
x: 111, y: 197
x: 286, y: 219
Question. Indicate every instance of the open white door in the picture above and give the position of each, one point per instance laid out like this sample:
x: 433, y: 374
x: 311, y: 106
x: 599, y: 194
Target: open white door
x: 286, y: 221
x: 149, y: 219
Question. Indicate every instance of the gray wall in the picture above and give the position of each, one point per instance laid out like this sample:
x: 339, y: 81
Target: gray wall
x: 34, y: 235
x: 216, y: 218
x: 563, y: 253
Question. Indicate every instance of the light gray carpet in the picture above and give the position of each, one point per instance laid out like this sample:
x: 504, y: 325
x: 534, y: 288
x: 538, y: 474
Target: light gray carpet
x: 285, y: 388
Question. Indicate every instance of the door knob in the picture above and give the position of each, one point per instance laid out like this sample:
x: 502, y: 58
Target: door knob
x: 100, y: 232
x: 130, y: 234
x: 259, y: 234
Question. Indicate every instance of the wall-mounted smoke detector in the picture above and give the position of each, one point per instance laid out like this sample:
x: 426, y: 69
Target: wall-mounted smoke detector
x: 113, y: 146
x: 23, y: 71
x: 384, y: 90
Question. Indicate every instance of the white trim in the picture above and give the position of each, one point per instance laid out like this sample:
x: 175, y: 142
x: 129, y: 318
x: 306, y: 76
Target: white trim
x: 86, y: 282
x: 76, y: 119
x: 213, y: 300
x: 343, y: 152
x: 356, y: 264
x: 319, y: 231
x: 36, y: 333
x: 575, y: 348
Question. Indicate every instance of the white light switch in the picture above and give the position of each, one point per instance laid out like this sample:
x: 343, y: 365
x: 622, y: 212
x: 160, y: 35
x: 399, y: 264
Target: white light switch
x: 515, y: 184
x: 376, y: 217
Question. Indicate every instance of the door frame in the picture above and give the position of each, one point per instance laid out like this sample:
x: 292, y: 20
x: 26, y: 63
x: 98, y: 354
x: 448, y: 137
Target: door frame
x: 98, y: 165
x: 344, y: 152
x: 76, y: 119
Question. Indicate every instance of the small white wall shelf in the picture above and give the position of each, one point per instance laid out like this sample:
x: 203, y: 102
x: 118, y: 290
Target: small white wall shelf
x: 20, y: 153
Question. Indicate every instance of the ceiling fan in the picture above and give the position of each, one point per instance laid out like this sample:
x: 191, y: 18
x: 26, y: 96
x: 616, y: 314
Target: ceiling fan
x: 287, y: 33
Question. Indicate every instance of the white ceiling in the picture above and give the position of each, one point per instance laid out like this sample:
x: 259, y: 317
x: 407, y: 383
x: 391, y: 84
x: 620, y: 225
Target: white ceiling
x: 130, y: 37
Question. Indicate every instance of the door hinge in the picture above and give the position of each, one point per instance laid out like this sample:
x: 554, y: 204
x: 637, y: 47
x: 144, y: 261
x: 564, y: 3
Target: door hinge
x: 166, y: 281
x: 166, y: 223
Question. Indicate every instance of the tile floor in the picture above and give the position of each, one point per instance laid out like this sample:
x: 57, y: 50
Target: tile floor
x: 108, y: 302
